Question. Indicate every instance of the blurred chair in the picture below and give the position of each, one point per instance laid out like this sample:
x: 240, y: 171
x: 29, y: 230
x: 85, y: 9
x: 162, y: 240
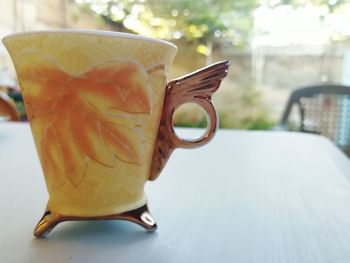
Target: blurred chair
x: 323, y: 109
x: 8, y: 108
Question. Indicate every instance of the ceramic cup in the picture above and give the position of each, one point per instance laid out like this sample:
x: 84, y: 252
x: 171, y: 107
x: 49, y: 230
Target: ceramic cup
x: 100, y: 110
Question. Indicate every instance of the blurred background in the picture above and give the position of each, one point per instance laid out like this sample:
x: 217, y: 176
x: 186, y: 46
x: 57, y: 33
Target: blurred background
x: 275, y: 46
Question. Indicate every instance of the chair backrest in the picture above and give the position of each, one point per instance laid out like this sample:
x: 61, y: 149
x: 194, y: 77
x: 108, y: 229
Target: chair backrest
x: 324, y: 110
x: 8, y: 108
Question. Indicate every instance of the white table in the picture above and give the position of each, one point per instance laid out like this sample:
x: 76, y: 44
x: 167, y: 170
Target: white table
x: 246, y: 197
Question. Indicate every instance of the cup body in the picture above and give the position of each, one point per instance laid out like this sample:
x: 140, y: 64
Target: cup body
x: 94, y: 102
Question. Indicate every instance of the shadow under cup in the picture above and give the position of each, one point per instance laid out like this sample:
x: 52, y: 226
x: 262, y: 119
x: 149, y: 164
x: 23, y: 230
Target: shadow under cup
x: 94, y: 102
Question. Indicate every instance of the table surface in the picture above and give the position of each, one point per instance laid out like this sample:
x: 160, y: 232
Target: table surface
x: 245, y: 197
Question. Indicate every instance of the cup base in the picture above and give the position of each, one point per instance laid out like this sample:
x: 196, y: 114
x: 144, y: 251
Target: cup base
x: 140, y: 216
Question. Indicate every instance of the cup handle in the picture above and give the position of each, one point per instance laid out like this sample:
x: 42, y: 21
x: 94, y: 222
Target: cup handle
x: 198, y: 88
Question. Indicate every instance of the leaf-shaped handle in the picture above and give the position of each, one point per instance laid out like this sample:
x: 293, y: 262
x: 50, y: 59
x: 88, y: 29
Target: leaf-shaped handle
x: 198, y: 88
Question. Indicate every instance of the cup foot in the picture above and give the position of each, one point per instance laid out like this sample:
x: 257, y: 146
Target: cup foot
x: 140, y: 216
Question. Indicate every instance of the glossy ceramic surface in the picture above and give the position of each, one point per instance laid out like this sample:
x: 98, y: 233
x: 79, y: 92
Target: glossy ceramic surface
x: 100, y: 111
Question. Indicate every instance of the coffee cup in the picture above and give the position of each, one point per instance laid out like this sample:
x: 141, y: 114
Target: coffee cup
x: 100, y: 110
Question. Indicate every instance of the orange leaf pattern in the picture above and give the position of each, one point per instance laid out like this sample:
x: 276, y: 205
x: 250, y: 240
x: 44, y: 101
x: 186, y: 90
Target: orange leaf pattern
x: 70, y: 113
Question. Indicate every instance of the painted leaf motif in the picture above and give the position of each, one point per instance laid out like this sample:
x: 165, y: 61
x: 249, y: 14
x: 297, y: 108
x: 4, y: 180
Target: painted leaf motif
x: 125, y: 81
x: 52, y: 158
x: 43, y: 83
x: 71, y: 114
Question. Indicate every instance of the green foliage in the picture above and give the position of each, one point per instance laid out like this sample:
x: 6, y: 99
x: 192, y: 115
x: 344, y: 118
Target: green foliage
x: 246, y: 111
x: 228, y: 120
x: 190, y: 115
x: 260, y: 123
x: 239, y: 120
x: 185, y: 122
x: 18, y: 99
x: 203, y: 22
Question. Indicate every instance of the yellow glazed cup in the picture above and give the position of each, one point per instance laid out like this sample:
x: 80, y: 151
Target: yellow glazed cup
x: 100, y: 110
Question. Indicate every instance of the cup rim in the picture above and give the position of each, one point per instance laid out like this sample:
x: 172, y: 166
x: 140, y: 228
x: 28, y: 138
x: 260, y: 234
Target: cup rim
x: 92, y: 32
